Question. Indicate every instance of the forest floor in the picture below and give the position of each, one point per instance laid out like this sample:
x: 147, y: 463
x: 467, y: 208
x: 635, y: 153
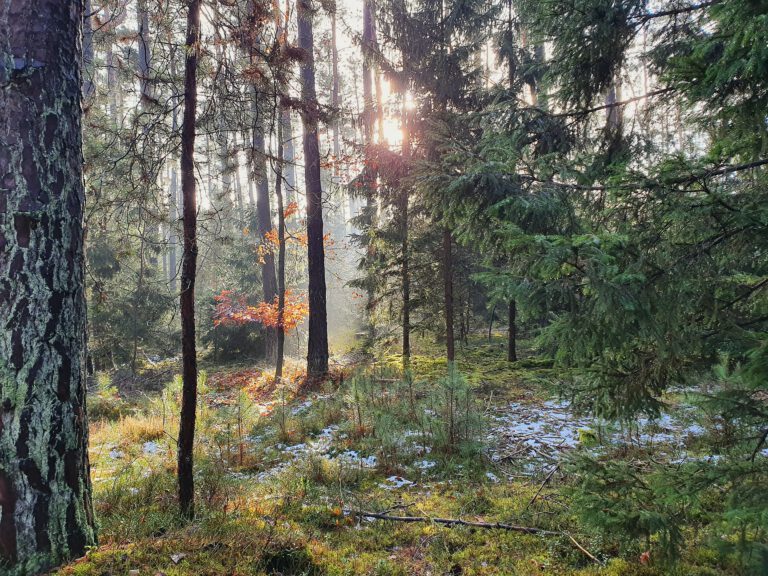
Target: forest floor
x: 284, y: 475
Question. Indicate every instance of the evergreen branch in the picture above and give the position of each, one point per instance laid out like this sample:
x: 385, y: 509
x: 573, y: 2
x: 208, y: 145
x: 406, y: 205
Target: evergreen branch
x: 678, y: 11
x: 612, y: 105
x: 730, y: 169
x: 760, y: 444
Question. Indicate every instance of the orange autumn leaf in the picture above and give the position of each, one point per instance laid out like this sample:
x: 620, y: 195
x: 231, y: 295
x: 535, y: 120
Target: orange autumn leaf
x: 290, y: 210
x: 272, y: 238
x: 233, y: 310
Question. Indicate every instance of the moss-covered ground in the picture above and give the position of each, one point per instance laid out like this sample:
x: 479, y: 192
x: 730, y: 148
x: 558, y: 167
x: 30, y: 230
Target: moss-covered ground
x: 281, y: 472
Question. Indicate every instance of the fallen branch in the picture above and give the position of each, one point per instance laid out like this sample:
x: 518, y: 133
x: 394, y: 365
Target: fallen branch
x: 455, y: 522
x: 546, y: 480
x: 486, y: 525
x: 582, y: 549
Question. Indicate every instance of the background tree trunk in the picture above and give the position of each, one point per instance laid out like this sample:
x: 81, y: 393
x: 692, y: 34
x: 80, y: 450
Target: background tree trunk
x: 405, y: 248
x: 45, y: 491
x: 317, y: 345
x: 263, y: 217
x: 450, y: 344
x: 280, y: 348
x: 335, y: 99
x: 189, y: 266
x: 88, y: 57
x: 289, y: 156
x: 369, y: 174
x: 512, y: 332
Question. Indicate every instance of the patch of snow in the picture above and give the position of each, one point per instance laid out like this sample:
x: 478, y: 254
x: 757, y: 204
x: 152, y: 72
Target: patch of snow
x: 395, y: 482
x: 539, y: 434
x: 303, y: 407
x: 150, y: 447
x: 354, y: 457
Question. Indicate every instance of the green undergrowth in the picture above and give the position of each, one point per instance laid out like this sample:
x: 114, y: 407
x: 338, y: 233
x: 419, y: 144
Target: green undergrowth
x: 483, y: 363
x: 280, y: 480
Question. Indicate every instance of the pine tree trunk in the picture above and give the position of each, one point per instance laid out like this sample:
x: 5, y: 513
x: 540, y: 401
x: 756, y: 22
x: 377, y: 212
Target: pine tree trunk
x: 263, y: 217
x: 46, y: 515
x: 145, y: 53
x: 174, y: 204
x: 189, y: 266
x: 406, y: 280
x: 280, y: 351
x: 112, y: 78
x: 335, y: 100
x: 405, y: 248
x: 88, y: 57
x: 173, y: 213
x: 369, y: 174
x: 377, y: 75
x: 450, y: 344
x: 317, y: 345
x: 512, y: 332
x: 289, y: 156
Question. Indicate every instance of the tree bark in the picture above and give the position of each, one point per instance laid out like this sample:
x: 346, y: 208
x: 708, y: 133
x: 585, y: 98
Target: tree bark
x: 450, y: 344
x: 189, y: 266
x: 263, y: 217
x: 46, y: 515
x: 145, y: 53
x: 289, y: 156
x: 88, y: 57
x: 335, y: 98
x: 173, y: 195
x: 405, y: 248
x: 369, y: 173
x: 317, y: 344
x: 512, y: 332
x: 280, y: 348
x: 377, y: 74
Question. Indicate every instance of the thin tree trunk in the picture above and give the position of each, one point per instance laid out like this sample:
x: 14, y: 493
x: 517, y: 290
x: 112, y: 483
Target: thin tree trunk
x: 280, y: 349
x: 189, y: 266
x: 238, y: 191
x: 112, y: 78
x: 490, y: 323
x: 377, y: 74
x: 450, y: 344
x: 512, y: 332
x: 88, y: 57
x: 264, y: 222
x: 145, y: 53
x: 46, y: 515
x: 147, y: 97
x: 369, y: 174
x: 405, y: 248
x: 289, y: 156
x: 263, y: 216
x: 173, y: 195
x: 173, y: 213
x: 263, y: 208
x: 317, y: 346
x: 335, y: 99
x: 283, y: 123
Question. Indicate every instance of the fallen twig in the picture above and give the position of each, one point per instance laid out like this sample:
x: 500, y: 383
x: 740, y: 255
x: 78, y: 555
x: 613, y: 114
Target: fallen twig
x: 487, y: 525
x: 546, y: 480
x: 455, y: 522
x: 582, y: 549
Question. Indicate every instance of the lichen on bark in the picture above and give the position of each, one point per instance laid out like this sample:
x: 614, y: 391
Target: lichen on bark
x: 45, y: 494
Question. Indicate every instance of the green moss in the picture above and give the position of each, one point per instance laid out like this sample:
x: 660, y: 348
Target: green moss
x: 292, y: 522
